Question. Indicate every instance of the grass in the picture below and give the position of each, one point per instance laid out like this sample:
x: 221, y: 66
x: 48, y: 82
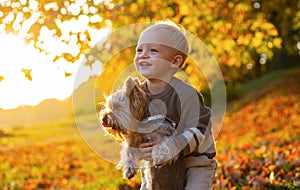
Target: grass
x: 248, y: 91
x: 40, y: 134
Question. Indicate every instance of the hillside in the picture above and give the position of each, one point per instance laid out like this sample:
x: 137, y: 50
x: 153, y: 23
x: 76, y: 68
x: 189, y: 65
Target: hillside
x: 51, y: 110
x: 47, y: 111
x: 258, y: 145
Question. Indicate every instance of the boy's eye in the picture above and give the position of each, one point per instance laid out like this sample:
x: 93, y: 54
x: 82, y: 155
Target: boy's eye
x: 139, y: 50
x: 154, y: 50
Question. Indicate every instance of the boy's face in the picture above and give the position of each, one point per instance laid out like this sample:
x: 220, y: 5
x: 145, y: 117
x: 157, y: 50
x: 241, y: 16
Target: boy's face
x: 154, y: 60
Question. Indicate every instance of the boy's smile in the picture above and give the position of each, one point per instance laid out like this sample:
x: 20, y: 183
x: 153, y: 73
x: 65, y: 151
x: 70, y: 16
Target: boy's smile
x: 144, y: 63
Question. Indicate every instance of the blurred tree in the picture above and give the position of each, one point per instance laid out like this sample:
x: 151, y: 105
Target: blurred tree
x: 242, y: 35
x: 283, y: 15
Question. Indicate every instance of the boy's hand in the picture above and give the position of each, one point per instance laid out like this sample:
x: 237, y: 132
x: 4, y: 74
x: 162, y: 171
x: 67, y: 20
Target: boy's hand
x: 146, y: 151
x: 166, y: 150
x: 158, y: 153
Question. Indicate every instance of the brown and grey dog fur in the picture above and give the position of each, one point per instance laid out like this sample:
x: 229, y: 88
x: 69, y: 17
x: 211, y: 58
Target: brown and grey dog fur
x: 123, y: 119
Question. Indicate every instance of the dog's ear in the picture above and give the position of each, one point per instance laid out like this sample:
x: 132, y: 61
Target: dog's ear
x: 129, y: 85
x: 137, y: 98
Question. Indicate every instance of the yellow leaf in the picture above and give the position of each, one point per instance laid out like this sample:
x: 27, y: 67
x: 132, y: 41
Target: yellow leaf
x: 267, y: 26
x: 244, y: 40
x: 260, y: 151
x: 255, y: 42
x: 255, y: 25
x: 133, y: 7
x: 259, y: 35
x: 27, y: 73
x: 273, y: 32
x: 228, y: 45
x: 277, y: 42
x: 230, y: 4
x: 154, y: 7
x: 67, y: 74
x: 184, y: 9
x: 270, y: 45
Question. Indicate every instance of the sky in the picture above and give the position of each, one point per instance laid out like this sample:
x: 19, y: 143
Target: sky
x: 27, y: 77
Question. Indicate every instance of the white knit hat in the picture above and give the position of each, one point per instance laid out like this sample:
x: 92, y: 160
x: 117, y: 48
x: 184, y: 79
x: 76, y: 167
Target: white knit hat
x: 169, y: 34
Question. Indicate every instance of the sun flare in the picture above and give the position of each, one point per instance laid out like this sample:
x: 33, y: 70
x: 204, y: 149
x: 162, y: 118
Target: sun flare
x: 28, y: 76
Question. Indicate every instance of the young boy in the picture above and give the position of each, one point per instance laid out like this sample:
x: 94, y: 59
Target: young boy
x: 161, y: 50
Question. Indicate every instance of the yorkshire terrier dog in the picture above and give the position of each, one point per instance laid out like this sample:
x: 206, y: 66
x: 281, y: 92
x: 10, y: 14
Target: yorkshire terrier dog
x: 123, y: 118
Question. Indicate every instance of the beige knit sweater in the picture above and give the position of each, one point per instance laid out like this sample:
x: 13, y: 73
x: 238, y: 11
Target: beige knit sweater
x: 184, y: 107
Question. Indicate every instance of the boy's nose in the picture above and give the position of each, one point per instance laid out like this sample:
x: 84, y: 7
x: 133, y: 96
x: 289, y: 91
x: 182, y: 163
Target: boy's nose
x: 144, y: 54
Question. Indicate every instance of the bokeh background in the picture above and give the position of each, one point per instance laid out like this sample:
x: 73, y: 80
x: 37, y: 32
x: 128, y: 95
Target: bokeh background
x: 43, y: 45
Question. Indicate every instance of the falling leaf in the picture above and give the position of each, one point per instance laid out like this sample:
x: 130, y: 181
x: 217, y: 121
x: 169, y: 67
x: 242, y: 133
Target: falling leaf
x: 67, y: 74
x: 27, y: 73
x: 1, y: 78
x: 87, y: 34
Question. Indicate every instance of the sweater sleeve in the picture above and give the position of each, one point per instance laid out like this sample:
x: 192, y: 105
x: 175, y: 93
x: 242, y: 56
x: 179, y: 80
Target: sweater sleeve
x: 194, y: 120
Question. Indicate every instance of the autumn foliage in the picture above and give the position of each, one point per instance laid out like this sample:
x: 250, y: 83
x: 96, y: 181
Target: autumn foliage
x: 243, y: 36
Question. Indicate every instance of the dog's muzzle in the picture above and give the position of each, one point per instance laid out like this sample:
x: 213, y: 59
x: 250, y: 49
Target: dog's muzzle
x: 107, y: 121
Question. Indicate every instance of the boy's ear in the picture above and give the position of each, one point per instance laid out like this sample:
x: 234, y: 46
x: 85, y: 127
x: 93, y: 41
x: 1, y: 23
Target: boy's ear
x: 177, y: 61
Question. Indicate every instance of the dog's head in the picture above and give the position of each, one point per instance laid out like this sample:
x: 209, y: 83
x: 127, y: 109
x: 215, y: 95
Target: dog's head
x: 123, y: 109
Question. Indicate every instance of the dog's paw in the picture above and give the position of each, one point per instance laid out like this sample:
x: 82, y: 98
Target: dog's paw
x: 129, y: 172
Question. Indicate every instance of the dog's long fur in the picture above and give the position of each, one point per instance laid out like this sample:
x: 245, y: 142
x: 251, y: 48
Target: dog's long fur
x: 121, y: 118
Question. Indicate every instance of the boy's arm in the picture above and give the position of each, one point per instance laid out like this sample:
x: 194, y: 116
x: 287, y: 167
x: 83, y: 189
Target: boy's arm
x: 194, y: 120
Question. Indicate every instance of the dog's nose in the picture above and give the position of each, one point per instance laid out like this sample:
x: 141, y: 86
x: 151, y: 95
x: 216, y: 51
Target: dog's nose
x: 105, y: 121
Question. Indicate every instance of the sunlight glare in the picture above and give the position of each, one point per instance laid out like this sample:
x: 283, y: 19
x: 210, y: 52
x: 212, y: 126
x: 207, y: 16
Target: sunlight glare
x: 48, y: 78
